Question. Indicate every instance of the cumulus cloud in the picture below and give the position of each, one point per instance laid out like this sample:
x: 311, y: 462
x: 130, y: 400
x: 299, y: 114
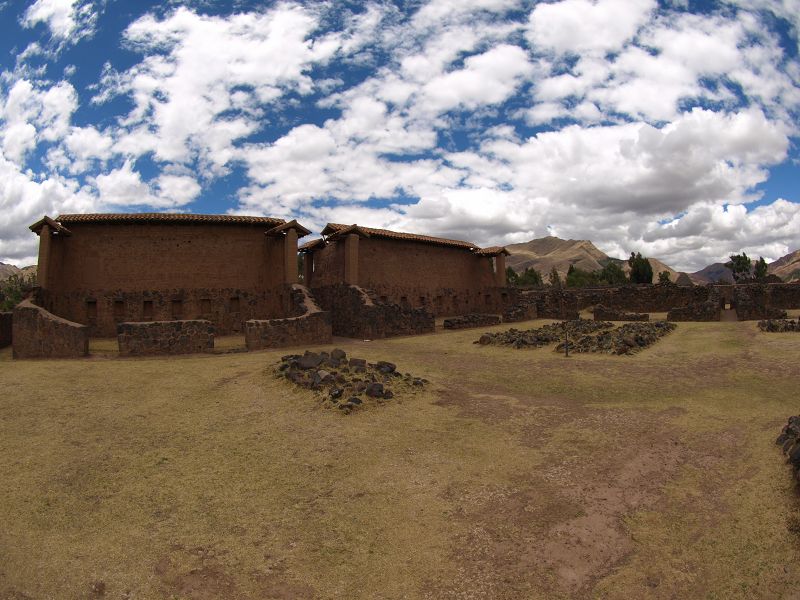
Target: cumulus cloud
x: 67, y: 20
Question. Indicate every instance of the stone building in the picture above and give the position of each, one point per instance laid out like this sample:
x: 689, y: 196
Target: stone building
x: 442, y: 276
x: 104, y: 269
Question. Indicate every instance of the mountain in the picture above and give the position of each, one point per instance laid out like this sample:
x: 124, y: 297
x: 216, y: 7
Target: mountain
x: 7, y: 271
x: 787, y: 267
x: 545, y: 253
x: 711, y: 274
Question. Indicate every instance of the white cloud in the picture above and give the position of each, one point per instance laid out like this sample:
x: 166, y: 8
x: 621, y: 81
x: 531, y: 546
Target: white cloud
x: 64, y: 18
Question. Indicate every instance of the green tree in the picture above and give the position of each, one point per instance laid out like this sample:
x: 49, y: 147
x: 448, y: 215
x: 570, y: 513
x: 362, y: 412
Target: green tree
x: 13, y: 290
x: 511, y: 276
x: 555, y: 278
x: 612, y: 274
x: 741, y: 267
x: 579, y: 278
x: 663, y: 277
x: 760, y: 269
x: 531, y: 277
x: 641, y: 270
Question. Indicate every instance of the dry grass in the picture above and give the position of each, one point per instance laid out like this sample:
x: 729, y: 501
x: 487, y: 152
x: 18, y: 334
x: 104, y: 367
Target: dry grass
x: 516, y: 474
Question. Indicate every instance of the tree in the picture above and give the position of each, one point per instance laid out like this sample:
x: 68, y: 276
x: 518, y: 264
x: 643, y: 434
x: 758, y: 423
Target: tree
x: 760, y: 270
x: 663, y: 277
x: 555, y: 278
x: 13, y: 290
x: 511, y: 276
x: 530, y: 277
x: 641, y: 270
x: 741, y: 267
x: 579, y: 278
x: 612, y: 274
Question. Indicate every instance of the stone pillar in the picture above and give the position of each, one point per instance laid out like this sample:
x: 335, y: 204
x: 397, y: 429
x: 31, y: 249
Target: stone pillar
x: 290, y: 256
x: 351, y: 259
x: 308, y: 268
x: 500, y: 269
x: 43, y: 268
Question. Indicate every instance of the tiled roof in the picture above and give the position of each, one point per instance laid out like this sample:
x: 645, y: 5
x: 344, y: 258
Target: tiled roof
x: 168, y: 218
x: 492, y: 251
x: 57, y: 228
x: 334, y: 229
x: 311, y: 244
x: 293, y: 224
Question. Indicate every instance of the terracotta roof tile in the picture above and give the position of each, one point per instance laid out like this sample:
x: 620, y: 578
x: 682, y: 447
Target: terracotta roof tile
x: 493, y: 251
x: 333, y: 229
x: 168, y: 218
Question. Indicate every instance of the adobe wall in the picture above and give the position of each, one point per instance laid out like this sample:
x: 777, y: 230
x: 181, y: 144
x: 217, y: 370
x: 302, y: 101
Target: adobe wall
x: 40, y: 334
x: 359, y: 313
x: 309, y: 325
x: 444, y: 280
x: 6, y: 320
x: 165, y: 337
x: 228, y: 309
x: 103, y: 273
x: 328, y: 265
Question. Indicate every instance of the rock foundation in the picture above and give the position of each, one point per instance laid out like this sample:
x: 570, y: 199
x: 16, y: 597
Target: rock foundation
x: 165, y: 337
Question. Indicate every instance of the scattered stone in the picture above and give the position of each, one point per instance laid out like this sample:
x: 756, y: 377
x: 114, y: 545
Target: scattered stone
x: 543, y: 336
x: 335, y: 377
x: 789, y: 440
x: 779, y: 325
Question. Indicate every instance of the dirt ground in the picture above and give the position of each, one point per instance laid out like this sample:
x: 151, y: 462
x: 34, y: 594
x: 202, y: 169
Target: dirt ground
x: 514, y: 474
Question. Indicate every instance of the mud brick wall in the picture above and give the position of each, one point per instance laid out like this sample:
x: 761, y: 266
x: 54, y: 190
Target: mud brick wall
x: 37, y: 333
x: 467, y: 321
x: 603, y: 313
x: 165, y: 337
x: 6, y: 320
x: 310, y: 325
x: 358, y: 313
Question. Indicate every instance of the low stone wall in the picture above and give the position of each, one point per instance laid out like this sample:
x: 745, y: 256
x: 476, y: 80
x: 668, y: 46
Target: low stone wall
x: 523, y: 310
x: 550, y: 304
x: 603, y: 313
x: 6, y: 320
x: 467, y: 321
x: 311, y: 325
x: 165, y: 337
x: 37, y: 333
x: 358, y: 313
x: 754, y: 302
x: 789, y: 441
x: 702, y: 311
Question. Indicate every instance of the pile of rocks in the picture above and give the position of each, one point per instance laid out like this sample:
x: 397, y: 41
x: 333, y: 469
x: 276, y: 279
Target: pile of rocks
x: 346, y: 383
x: 627, y: 339
x: 779, y: 325
x: 542, y: 336
x: 789, y: 440
x: 472, y: 320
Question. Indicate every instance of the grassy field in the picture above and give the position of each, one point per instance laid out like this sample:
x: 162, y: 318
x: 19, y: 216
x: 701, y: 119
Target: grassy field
x: 514, y: 474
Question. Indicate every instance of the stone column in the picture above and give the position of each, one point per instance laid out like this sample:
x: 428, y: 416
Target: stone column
x: 351, y: 259
x: 500, y: 269
x: 290, y: 256
x: 43, y: 269
x: 308, y: 268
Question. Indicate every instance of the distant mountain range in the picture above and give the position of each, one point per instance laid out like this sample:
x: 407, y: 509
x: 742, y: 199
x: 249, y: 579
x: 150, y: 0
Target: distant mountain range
x: 545, y: 253
x: 7, y: 271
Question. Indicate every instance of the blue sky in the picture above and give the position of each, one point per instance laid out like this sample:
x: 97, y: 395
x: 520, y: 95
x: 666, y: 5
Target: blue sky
x: 666, y: 127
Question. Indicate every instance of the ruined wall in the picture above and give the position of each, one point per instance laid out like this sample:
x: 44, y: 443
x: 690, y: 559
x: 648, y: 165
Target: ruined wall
x: 165, y: 337
x: 227, y: 309
x: 784, y: 295
x: 754, y: 302
x: 40, y: 334
x: 104, y: 274
x: 360, y: 314
x: 640, y: 298
x: 474, y: 320
x: 603, y: 313
x: 6, y: 320
x: 550, y: 304
x: 308, y: 325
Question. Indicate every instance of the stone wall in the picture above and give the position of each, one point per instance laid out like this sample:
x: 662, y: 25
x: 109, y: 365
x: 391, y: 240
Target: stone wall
x: 523, y: 309
x: 640, y: 298
x: 227, y: 308
x: 37, y: 333
x: 309, y: 325
x: 6, y: 320
x: 700, y: 311
x: 467, y: 321
x: 359, y: 313
x: 603, y: 313
x: 550, y: 304
x: 754, y: 302
x: 165, y: 337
